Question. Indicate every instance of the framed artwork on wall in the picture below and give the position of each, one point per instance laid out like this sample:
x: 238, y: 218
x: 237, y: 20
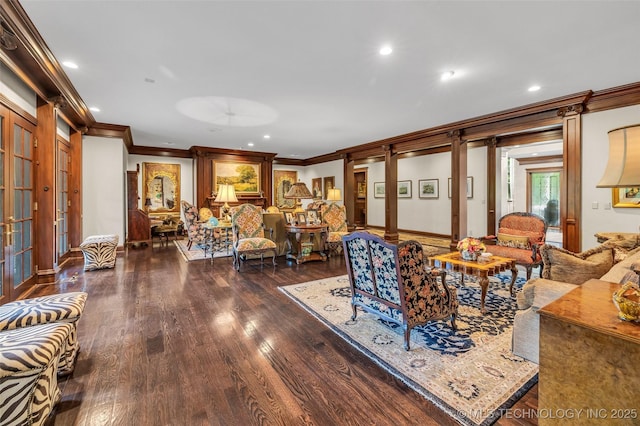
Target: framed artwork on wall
x: 329, y: 183
x: 404, y: 189
x: 244, y: 176
x: 428, y: 188
x: 282, y: 181
x: 469, y: 187
x: 362, y: 190
x: 316, y: 188
x: 378, y: 189
x: 161, y: 187
x: 626, y: 197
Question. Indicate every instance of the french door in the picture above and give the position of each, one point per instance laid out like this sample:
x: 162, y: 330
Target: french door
x: 62, y: 201
x: 543, y: 189
x: 16, y: 204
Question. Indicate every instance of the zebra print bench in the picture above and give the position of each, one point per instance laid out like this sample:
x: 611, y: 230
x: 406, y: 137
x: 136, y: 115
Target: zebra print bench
x: 28, y: 362
x: 99, y: 251
x: 56, y: 308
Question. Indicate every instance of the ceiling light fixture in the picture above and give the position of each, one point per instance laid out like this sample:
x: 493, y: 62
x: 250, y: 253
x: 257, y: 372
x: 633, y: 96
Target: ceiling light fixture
x: 94, y: 109
x: 447, y: 75
x: 385, y: 50
x: 534, y: 88
x: 70, y: 64
x: 267, y: 136
x: 250, y: 144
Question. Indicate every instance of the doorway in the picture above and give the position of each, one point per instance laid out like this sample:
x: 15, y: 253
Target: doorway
x: 543, y: 199
x: 360, y: 197
x: 16, y: 204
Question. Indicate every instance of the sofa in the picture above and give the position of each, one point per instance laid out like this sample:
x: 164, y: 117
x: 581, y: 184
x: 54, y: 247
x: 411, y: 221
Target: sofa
x: 614, y: 261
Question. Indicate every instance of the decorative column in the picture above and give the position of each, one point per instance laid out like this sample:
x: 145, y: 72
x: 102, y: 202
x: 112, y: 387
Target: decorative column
x: 390, y: 195
x: 491, y: 185
x: 349, y: 188
x: 458, y: 187
x: 571, y: 201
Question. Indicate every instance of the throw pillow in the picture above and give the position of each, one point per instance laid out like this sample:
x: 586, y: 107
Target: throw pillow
x: 516, y: 241
x: 575, y: 268
x: 630, y: 276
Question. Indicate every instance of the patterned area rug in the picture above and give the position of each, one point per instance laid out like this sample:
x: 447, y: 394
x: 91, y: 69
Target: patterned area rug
x: 197, y: 253
x: 471, y: 374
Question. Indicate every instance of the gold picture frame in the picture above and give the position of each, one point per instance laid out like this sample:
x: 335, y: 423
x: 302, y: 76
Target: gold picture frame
x: 329, y: 183
x: 626, y: 197
x: 282, y: 181
x: 161, y: 187
x: 316, y: 188
x: 243, y: 175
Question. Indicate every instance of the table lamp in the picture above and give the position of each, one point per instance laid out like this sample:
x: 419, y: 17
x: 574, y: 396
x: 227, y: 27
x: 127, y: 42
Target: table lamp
x: 333, y: 194
x: 623, y: 167
x: 298, y: 191
x: 226, y: 194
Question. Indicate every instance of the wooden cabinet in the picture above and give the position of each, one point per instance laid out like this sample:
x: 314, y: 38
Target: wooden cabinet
x: 138, y: 226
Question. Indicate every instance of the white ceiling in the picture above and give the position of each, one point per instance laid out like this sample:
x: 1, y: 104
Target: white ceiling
x: 316, y: 64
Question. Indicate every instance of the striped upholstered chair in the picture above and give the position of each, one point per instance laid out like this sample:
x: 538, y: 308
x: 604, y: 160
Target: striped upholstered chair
x: 55, y: 308
x: 335, y: 217
x: 248, y: 234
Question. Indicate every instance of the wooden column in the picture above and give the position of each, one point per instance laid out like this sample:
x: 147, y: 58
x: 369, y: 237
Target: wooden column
x: 390, y: 195
x: 570, y: 208
x: 75, y: 190
x: 349, y: 189
x: 458, y: 187
x: 491, y: 186
x: 45, y: 190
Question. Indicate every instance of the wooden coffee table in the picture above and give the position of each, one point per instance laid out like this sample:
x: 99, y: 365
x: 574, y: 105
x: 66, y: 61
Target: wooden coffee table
x: 481, y: 269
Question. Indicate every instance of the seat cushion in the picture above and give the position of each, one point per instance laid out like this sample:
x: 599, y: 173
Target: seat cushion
x: 335, y: 237
x: 522, y: 256
x: 249, y: 244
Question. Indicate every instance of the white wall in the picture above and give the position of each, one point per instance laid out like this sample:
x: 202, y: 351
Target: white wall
x: 187, y: 175
x: 103, y: 187
x: 322, y: 170
x: 595, y: 153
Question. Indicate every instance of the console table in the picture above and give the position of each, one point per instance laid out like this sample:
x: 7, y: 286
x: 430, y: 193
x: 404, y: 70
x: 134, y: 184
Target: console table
x: 588, y: 359
x: 296, y: 233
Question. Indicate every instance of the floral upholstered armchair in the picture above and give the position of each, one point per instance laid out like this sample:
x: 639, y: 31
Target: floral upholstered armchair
x: 391, y: 282
x: 335, y: 217
x: 198, y: 231
x: 248, y: 234
x: 520, y: 236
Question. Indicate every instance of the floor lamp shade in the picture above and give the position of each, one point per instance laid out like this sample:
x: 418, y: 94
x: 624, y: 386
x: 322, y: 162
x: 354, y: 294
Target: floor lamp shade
x: 333, y: 194
x: 623, y: 167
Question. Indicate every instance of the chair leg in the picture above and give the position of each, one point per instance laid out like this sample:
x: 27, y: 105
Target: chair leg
x: 453, y: 322
x: 273, y: 259
x: 529, y: 268
x: 407, y: 337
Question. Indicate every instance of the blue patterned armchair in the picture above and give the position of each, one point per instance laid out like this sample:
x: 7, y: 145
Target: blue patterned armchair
x: 198, y: 231
x: 391, y: 282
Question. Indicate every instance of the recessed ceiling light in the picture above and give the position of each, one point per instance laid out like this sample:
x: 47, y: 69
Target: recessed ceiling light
x: 250, y: 144
x: 447, y: 75
x: 385, y: 50
x: 94, y: 109
x: 534, y: 88
x: 267, y: 136
x: 149, y: 80
x: 169, y: 143
x: 70, y: 64
x: 534, y: 154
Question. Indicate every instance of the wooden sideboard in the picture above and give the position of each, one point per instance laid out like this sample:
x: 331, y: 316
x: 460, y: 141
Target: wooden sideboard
x: 588, y: 360
x: 138, y: 224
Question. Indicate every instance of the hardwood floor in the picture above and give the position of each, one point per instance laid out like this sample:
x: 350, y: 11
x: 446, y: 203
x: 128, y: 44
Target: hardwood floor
x: 166, y: 342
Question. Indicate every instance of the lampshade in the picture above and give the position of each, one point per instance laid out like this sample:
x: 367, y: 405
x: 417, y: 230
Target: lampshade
x: 623, y: 167
x: 298, y: 190
x: 333, y: 194
x: 225, y: 194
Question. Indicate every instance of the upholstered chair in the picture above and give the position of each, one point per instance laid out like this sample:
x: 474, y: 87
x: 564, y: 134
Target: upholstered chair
x: 391, y: 281
x: 249, y: 235
x: 199, y: 232
x: 520, y: 236
x: 335, y: 216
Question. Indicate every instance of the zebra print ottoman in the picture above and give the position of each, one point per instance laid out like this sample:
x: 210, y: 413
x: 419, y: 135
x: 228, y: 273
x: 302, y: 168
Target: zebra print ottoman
x: 99, y: 251
x: 28, y: 362
x: 58, y: 308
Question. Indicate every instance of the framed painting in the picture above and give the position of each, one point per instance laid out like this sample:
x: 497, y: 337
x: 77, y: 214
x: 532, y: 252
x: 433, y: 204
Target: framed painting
x: 362, y: 190
x: 626, y: 197
x: 282, y: 181
x: 316, y: 188
x: 469, y: 187
x: 302, y: 218
x: 378, y: 189
x: 312, y: 216
x: 161, y: 187
x: 404, y: 189
x: 329, y: 183
x: 428, y: 188
x: 244, y: 176
x: 289, y: 218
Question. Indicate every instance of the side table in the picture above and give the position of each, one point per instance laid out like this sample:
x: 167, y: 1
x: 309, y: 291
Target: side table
x: 295, y: 239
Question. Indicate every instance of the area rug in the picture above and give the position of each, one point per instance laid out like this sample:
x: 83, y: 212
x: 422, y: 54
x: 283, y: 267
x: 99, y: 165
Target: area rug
x: 197, y: 253
x: 470, y: 374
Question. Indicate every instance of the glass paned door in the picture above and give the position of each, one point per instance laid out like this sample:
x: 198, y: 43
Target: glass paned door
x: 62, y: 201
x: 4, y: 265
x: 544, y: 195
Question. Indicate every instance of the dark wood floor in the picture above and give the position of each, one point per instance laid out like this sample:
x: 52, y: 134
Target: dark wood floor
x: 165, y: 342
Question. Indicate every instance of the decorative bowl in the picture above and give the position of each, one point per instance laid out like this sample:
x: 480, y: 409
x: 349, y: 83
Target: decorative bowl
x: 627, y: 300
